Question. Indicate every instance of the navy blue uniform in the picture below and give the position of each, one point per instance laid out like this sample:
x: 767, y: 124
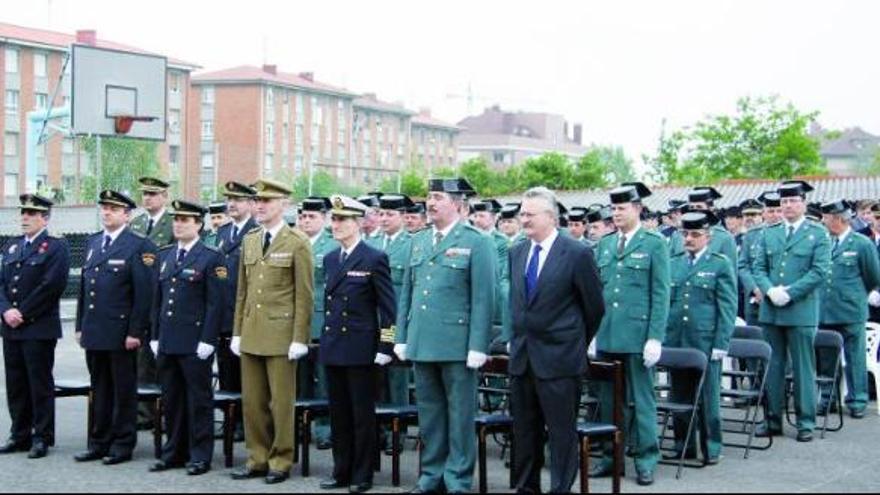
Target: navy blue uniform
x: 228, y: 364
x: 32, y: 280
x: 187, y: 310
x: 114, y: 303
x: 359, y: 303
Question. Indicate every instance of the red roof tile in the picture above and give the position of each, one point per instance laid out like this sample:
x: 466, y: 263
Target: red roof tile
x: 252, y: 74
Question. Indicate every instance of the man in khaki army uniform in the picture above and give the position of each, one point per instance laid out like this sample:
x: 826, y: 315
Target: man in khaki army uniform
x: 156, y: 224
x: 273, y: 313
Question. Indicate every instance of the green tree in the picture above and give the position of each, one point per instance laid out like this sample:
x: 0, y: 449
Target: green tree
x: 763, y: 139
x: 552, y: 170
x: 123, y: 162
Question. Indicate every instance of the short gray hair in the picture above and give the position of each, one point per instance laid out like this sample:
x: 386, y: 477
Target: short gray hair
x: 547, y: 195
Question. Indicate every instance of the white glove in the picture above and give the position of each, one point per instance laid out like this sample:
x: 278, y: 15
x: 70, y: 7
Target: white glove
x: 400, y: 350
x: 476, y: 360
x: 652, y: 352
x: 297, y: 351
x: 235, y: 346
x: 382, y: 359
x: 778, y: 296
x: 154, y: 346
x: 591, y: 350
x: 718, y: 355
x: 507, y: 346
x: 204, y: 351
x: 874, y: 299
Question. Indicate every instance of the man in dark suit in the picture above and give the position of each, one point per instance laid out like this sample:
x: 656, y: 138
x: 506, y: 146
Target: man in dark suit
x: 32, y: 280
x: 186, y: 313
x: 358, y: 333
x: 239, y: 205
x: 112, y: 321
x: 556, y: 307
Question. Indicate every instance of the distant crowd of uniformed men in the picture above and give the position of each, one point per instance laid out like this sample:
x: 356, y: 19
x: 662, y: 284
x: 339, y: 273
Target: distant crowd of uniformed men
x: 381, y: 276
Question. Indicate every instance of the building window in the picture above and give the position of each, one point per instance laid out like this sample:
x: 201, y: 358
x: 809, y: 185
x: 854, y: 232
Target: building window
x: 67, y: 146
x: 42, y: 101
x: 207, y: 161
x: 300, y: 109
x: 298, y: 133
x: 10, y: 144
x: 174, y: 121
x: 267, y: 164
x: 340, y: 152
x: 298, y: 164
x: 174, y: 83
x: 11, y: 102
x: 40, y: 62
x: 207, y: 130
x: 11, y: 61
x: 270, y: 135
x: 10, y: 185
x: 208, y: 95
x: 174, y: 155
x: 270, y: 97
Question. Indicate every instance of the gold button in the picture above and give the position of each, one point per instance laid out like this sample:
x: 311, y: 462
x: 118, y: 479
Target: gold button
x: 615, y: 305
x: 687, y: 295
x: 97, y: 269
x: 781, y: 274
x: 171, y: 290
x: 344, y: 329
x: 430, y: 263
x: 327, y: 312
x: 170, y: 313
x: 685, y: 306
x: 263, y: 263
x: 15, y: 278
x: 326, y: 329
x: 173, y: 280
x: 329, y: 298
x: 14, y: 291
x: 91, y: 306
x: 261, y: 276
x: 424, y: 307
x: 171, y: 301
x: 345, y: 313
x: 685, y: 318
x: 425, y: 293
x: 14, y: 304
x: 428, y: 277
x: 92, y: 294
x: 259, y: 306
x: 616, y: 290
x: 259, y: 291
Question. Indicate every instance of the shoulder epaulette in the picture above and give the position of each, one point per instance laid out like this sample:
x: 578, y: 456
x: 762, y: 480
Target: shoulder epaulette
x: 166, y: 247
x: 137, y: 234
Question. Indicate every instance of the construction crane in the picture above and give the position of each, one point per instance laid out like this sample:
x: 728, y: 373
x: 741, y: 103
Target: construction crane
x: 471, y: 98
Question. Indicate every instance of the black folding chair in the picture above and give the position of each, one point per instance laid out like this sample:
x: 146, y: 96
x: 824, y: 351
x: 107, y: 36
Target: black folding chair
x: 681, y: 360
x: 305, y: 411
x: 494, y: 383
x: 229, y: 403
x: 612, y: 372
x: 76, y: 388
x: 397, y: 417
x: 827, y: 341
x: 747, y: 390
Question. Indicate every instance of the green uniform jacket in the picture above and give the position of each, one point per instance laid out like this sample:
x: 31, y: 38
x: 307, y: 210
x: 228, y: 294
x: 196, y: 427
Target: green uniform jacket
x: 636, y: 292
x: 800, y: 264
x: 854, y: 272
x: 273, y: 304
x: 502, y: 278
x: 162, y: 233
x: 722, y: 242
x: 322, y: 246
x: 398, y: 252
x: 746, y: 260
x: 446, y: 304
x: 702, y: 312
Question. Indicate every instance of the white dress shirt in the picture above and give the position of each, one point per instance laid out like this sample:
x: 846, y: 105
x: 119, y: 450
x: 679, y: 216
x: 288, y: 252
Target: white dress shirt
x: 546, y: 245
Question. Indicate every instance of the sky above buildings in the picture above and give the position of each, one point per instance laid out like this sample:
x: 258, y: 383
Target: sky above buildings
x: 620, y: 68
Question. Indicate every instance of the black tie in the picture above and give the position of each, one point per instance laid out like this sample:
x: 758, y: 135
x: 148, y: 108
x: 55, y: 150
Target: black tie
x: 621, y: 245
x: 790, y: 232
x: 27, y: 246
x: 266, y: 241
x: 107, y: 241
x: 691, y: 260
x: 343, y: 257
x: 150, y: 227
x: 180, y: 255
x: 234, y: 233
x: 834, y: 244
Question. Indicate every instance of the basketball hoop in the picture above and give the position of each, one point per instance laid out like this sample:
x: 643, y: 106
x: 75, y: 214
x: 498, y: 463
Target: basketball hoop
x: 122, y: 123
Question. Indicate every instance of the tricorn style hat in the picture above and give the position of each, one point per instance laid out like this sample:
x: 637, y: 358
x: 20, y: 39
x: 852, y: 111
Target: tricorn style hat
x: 629, y: 192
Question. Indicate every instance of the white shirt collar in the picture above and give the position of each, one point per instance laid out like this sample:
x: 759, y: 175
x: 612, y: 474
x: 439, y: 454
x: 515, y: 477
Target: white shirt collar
x: 240, y: 225
x: 629, y: 236
x: 113, y: 235
x: 796, y: 225
x: 700, y: 254
x: 187, y: 247
x: 314, y: 239
x: 447, y: 230
x: 352, y: 248
x: 32, y: 239
x: 547, y: 243
x: 842, y: 237
x: 157, y: 216
x: 274, y: 230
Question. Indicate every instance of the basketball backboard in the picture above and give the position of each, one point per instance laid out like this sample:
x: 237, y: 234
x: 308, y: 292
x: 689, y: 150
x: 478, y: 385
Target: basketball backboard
x: 107, y: 84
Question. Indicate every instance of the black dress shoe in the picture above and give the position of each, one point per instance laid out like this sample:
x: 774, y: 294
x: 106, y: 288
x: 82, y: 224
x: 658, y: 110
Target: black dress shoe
x: 89, y: 455
x: 763, y: 431
x: 11, y: 446
x: 144, y: 425
x: 676, y: 455
x: 360, y: 487
x: 857, y: 414
x: 246, y: 473
x: 275, y: 477
x: 600, y: 471
x: 332, y: 484
x: 114, y: 459
x: 645, y: 478
x: 39, y: 450
x: 198, y: 468
x: 805, y: 436
x: 160, y: 466
x: 324, y: 445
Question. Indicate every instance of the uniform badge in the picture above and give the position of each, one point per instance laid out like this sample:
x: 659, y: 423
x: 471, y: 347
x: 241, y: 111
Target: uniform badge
x: 89, y: 256
x: 639, y: 256
x: 388, y: 334
x: 455, y: 252
x: 162, y: 270
x: 358, y: 274
x: 12, y: 248
x: 221, y: 272
x: 149, y: 259
x: 849, y: 254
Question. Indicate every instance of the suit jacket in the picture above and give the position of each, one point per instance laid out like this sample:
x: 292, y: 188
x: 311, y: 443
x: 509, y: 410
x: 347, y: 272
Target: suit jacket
x: 188, y: 302
x: 273, y: 304
x: 448, y: 294
x: 800, y: 264
x: 855, y: 271
x: 552, y: 329
x: 359, y: 302
x: 322, y: 247
x: 33, y: 281
x: 116, y: 291
x: 230, y: 252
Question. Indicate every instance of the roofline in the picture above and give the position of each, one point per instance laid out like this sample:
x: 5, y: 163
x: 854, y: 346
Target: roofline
x: 185, y: 66
x: 466, y: 147
x: 202, y: 80
x: 448, y: 127
x: 368, y: 106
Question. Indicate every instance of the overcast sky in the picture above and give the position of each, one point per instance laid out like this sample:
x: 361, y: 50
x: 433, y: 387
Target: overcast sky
x: 618, y: 67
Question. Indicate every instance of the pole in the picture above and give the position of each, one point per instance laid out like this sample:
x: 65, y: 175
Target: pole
x: 216, y: 170
x: 98, y: 154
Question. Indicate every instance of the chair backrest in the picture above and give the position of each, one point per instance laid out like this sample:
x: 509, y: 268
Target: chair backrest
x: 748, y: 332
x: 496, y: 365
x: 872, y: 335
x: 828, y: 339
x: 612, y: 372
x: 750, y: 349
x: 682, y: 359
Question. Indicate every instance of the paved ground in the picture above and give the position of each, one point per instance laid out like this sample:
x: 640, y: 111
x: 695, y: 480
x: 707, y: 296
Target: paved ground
x: 846, y: 461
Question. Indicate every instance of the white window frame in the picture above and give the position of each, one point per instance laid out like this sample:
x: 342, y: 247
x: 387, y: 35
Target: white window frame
x: 12, y: 60
x: 12, y: 99
x: 10, y: 138
x: 208, y: 130
x: 41, y: 64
